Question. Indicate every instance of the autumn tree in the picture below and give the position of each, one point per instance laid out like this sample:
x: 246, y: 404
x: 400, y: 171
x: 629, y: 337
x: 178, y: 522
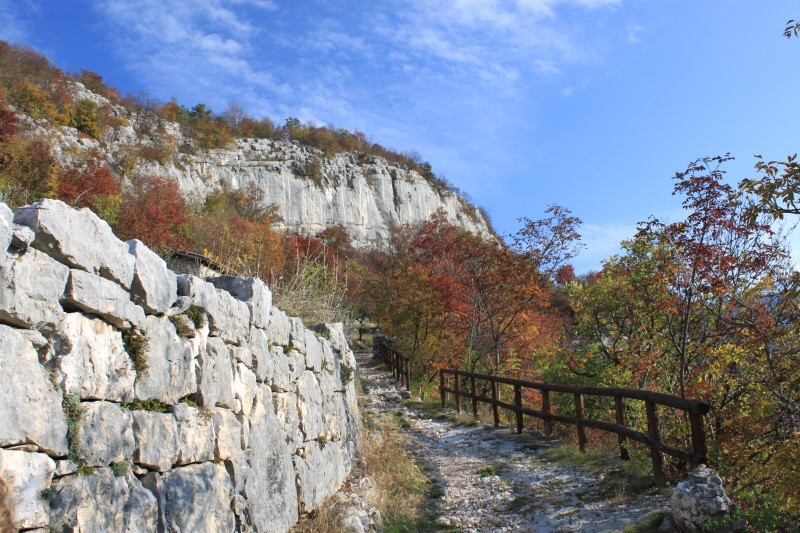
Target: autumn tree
x: 154, y: 211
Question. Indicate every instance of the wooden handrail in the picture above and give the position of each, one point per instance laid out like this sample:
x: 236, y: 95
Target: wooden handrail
x: 399, y: 365
x: 698, y: 453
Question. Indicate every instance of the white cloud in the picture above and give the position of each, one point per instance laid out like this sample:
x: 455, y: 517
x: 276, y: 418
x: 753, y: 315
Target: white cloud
x: 602, y: 241
x: 200, y: 47
x: 635, y: 31
x: 13, y: 25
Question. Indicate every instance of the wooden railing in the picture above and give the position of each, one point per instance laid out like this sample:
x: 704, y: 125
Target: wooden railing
x: 698, y: 453
x: 399, y: 365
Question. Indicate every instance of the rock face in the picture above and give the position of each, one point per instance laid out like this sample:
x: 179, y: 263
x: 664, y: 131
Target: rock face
x: 700, y: 499
x: 365, y: 195
x: 241, y: 425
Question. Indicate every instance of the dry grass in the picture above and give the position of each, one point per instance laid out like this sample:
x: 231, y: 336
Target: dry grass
x: 401, y: 487
x: 324, y: 519
x: 6, y: 515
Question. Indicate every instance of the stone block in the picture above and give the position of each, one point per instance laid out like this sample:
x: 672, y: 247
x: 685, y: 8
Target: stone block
x: 105, y: 435
x: 171, y: 364
x: 195, y: 434
x: 154, y: 286
x: 156, y: 436
x: 253, y: 292
x: 31, y: 285
x: 27, y: 475
x: 216, y: 374
x: 101, y: 501
x: 78, y: 238
x: 99, y: 296
x: 91, y: 358
x: 194, y: 498
x: 30, y: 406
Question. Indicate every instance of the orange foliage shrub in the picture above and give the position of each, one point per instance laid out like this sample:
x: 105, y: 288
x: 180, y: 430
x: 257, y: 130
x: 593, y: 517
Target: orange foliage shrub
x: 153, y: 211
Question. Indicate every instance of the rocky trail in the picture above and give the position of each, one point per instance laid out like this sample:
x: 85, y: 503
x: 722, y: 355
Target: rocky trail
x: 496, y: 481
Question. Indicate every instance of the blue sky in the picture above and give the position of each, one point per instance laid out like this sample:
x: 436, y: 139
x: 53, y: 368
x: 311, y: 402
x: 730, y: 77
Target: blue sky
x: 591, y: 104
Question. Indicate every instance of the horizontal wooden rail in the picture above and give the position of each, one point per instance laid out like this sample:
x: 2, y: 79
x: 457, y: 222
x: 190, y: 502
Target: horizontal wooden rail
x: 399, y: 365
x: 695, y: 410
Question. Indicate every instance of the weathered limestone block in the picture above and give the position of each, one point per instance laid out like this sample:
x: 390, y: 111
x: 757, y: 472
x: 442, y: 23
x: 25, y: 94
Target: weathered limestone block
x: 337, y: 337
x: 195, y: 434
x: 6, y: 230
x: 253, y: 292
x: 91, y: 358
x: 30, y: 287
x: 171, y: 364
x: 700, y: 499
x: 228, y: 317
x: 21, y: 237
x: 285, y: 404
x: 297, y: 334
x: 278, y: 329
x: 195, y: 498
x: 244, y: 387
x: 314, y: 354
x: 227, y: 433
x: 78, y: 238
x: 105, y: 435
x: 65, y: 467
x: 201, y: 292
x: 264, y: 474
x: 30, y: 406
x: 99, y: 296
x: 215, y: 374
x: 154, y: 286
x: 296, y: 361
x: 271, y: 363
x: 309, y: 406
x: 27, y: 475
x: 156, y: 437
x: 101, y: 501
x: 320, y: 472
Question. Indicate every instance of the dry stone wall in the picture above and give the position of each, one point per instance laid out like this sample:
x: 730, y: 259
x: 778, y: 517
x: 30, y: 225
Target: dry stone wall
x: 233, y: 417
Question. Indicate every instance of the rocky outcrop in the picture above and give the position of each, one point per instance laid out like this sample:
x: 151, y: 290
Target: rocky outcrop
x: 312, y: 191
x: 238, y: 419
x: 700, y: 504
x: 365, y: 195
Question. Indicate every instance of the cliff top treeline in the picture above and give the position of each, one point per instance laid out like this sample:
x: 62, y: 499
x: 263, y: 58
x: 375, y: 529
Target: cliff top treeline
x: 33, y: 85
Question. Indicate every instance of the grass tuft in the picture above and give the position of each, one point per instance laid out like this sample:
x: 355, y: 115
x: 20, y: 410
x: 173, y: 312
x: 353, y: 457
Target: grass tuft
x: 136, y: 345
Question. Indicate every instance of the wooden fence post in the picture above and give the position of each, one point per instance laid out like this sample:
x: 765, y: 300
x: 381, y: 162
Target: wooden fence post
x: 620, y: 412
x: 495, y: 409
x: 442, y: 393
x: 458, y: 392
x: 518, y: 406
x: 579, y: 426
x: 548, y: 424
x: 408, y: 374
x: 699, y: 447
x: 474, y: 396
x: 655, y: 453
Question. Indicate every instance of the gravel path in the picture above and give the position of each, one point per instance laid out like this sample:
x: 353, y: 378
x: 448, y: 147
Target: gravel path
x: 497, y: 481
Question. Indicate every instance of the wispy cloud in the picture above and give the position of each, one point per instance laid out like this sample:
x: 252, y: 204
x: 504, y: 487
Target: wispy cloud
x: 13, y: 23
x: 635, y: 31
x: 602, y: 241
x: 195, y: 46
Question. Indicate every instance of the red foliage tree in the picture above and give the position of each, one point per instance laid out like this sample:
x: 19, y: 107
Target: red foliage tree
x: 153, y: 211
x: 84, y: 185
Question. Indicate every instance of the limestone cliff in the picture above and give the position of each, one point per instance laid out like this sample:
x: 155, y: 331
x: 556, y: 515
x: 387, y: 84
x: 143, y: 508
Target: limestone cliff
x: 136, y: 399
x: 365, y: 194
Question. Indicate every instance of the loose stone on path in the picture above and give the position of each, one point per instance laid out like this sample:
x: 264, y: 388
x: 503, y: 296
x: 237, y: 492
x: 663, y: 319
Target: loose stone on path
x: 494, y: 481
